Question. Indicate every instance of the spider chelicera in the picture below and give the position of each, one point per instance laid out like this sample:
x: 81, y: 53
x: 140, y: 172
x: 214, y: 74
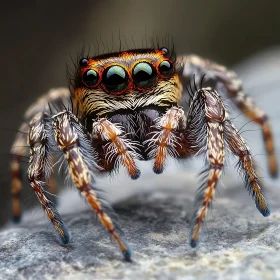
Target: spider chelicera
x: 125, y: 106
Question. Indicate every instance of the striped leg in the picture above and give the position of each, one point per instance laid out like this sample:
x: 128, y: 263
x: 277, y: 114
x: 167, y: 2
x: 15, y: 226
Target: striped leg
x: 18, y: 151
x: 233, y: 87
x: 239, y: 148
x: 210, y: 104
x: 164, y: 141
x: 40, y: 169
x: 73, y: 141
x: 119, y: 150
x: 52, y: 188
x: 55, y: 98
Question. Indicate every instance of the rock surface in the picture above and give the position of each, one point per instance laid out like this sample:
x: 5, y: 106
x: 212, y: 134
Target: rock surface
x: 156, y: 227
x: 236, y: 243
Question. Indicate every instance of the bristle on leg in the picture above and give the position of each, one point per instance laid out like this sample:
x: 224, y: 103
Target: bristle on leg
x: 246, y: 166
x: 74, y: 142
x: 163, y: 142
x: 207, y: 102
x: 119, y: 148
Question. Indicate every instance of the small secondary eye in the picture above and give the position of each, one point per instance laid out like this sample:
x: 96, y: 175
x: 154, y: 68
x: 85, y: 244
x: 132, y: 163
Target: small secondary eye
x: 83, y: 62
x: 165, y: 50
x: 144, y: 75
x: 90, y: 78
x: 165, y: 68
x: 115, y: 78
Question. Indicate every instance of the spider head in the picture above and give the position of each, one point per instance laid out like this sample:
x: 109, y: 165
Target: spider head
x: 126, y: 81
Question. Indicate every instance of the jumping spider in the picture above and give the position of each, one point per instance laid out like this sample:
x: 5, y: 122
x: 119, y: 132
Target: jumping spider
x: 125, y: 106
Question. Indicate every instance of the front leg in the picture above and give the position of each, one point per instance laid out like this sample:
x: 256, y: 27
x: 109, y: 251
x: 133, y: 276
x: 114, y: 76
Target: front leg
x: 39, y: 170
x: 205, y: 130
x: 194, y: 65
x: 76, y: 146
x: 114, y: 148
x: 167, y: 139
x: 208, y: 128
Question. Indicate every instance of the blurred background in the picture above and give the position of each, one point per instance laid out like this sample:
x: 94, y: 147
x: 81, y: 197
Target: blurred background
x: 37, y: 38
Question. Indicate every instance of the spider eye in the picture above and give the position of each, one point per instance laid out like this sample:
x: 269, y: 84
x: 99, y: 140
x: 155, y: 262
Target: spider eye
x: 83, y: 62
x: 144, y: 75
x: 165, y: 68
x: 115, y: 79
x: 90, y: 78
x: 165, y: 50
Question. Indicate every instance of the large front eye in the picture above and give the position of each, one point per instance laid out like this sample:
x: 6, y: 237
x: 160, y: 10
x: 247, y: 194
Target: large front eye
x: 90, y: 78
x: 144, y: 75
x: 115, y: 79
x: 165, y: 68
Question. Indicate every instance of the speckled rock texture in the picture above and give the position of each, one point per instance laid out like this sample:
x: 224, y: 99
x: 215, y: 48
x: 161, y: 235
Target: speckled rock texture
x: 155, y: 212
x: 237, y: 242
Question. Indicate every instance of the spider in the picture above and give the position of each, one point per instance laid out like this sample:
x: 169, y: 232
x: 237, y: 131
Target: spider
x: 125, y: 108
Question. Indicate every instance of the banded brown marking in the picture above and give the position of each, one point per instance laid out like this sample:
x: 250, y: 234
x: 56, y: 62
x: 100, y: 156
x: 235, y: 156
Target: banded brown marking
x: 214, y: 118
x: 257, y: 115
x: 239, y: 148
x: 16, y: 184
x: 20, y: 148
x: 164, y: 141
x: 233, y: 87
x: 39, y: 170
x: 119, y: 148
x: 18, y: 151
x: 69, y: 138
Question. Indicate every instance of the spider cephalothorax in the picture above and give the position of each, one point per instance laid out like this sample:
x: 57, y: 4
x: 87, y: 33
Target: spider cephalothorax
x: 126, y: 82
x: 125, y: 106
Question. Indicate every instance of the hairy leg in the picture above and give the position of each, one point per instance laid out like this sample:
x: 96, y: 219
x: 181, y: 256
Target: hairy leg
x: 54, y: 100
x: 165, y: 140
x: 39, y: 170
x: 207, y: 112
x: 233, y: 87
x: 208, y: 128
x: 76, y: 146
x: 19, y: 150
x: 118, y: 150
x: 239, y: 148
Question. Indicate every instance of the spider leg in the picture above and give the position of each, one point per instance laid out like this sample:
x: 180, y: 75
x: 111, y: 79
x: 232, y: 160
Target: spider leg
x: 56, y: 98
x: 234, y: 88
x: 19, y: 150
x: 239, y: 148
x: 211, y: 131
x: 39, y: 139
x: 207, y: 113
x: 52, y: 187
x: 76, y: 146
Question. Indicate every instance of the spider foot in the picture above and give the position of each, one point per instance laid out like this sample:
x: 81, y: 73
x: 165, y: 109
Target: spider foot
x: 264, y: 209
x: 136, y: 175
x: 127, y: 252
x: 65, y: 237
x: 16, y: 219
x: 157, y: 170
x: 193, y: 243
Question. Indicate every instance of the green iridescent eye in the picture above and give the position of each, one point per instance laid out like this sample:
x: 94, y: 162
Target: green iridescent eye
x: 115, y: 78
x: 90, y: 78
x: 165, y: 68
x: 144, y: 75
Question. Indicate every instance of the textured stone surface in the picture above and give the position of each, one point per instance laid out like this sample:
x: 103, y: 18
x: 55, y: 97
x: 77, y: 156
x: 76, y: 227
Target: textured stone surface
x: 236, y: 243
x: 155, y: 212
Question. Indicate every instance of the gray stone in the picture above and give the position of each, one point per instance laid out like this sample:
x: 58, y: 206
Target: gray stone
x: 236, y: 243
